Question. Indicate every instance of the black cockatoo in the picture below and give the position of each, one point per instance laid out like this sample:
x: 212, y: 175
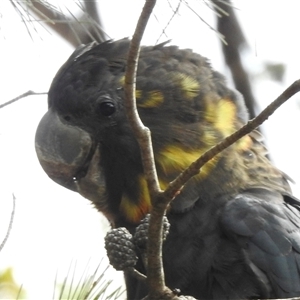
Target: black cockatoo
x: 234, y: 228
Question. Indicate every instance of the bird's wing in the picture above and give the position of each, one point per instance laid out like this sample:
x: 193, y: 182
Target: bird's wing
x: 266, y: 224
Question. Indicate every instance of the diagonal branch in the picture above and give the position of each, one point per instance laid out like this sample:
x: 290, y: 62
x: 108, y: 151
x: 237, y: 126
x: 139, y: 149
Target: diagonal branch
x: 28, y: 93
x: 12, y: 216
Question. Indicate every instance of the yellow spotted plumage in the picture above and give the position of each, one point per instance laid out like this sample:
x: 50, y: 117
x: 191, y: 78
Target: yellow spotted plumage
x: 234, y: 227
x: 135, y: 211
x: 188, y: 108
x: 150, y: 99
x: 188, y: 85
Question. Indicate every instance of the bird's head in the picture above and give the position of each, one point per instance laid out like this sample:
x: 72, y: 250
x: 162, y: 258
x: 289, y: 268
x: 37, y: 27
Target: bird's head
x: 84, y: 141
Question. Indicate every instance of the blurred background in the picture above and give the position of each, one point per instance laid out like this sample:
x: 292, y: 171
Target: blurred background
x: 56, y: 234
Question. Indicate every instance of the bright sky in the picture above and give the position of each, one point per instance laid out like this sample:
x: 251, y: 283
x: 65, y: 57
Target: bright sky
x: 53, y: 226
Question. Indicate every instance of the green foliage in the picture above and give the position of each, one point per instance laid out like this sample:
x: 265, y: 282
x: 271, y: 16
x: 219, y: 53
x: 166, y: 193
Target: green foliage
x: 93, y: 286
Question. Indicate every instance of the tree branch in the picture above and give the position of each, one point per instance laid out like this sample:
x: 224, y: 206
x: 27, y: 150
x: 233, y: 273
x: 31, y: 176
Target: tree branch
x: 142, y: 133
x: 10, y: 223
x: 138, y: 275
x: 155, y: 274
x: 28, y: 93
x: 93, y: 12
x: 231, y: 30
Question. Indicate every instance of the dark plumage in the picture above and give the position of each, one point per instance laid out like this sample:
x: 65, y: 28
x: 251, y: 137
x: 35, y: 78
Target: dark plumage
x: 234, y: 227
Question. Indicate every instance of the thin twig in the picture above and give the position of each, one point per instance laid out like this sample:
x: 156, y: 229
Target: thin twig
x: 141, y: 132
x: 19, y: 292
x: 169, y: 22
x: 219, y: 34
x: 20, y: 12
x: 12, y: 215
x: 29, y: 93
x: 134, y: 272
x: 155, y: 274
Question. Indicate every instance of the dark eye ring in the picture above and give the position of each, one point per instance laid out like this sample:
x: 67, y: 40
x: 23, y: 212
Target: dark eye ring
x: 107, y: 108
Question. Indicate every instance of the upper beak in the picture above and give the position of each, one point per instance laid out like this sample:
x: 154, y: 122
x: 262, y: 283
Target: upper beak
x: 63, y: 150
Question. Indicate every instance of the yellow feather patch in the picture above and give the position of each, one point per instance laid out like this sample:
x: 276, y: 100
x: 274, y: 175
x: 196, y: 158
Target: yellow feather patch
x: 210, y: 138
x: 152, y: 99
x: 222, y: 115
x: 189, y: 85
x: 163, y: 184
x: 138, y: 94
x: 173, y: 160
x: 122, y: 80
x: 132, y: 211
x: 244, y: 143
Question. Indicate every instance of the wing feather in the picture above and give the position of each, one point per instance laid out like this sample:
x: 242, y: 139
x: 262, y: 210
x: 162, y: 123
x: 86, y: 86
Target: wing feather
x: 269, y: 233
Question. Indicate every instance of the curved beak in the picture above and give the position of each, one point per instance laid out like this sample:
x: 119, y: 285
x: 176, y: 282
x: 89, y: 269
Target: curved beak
x: 64, y: 151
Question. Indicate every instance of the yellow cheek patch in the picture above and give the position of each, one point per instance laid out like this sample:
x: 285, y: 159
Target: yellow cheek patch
x: 132, y: 211
x: 222, y: 114
x: 189, y: 86
x: 152, y: 99
x: 173, y: 160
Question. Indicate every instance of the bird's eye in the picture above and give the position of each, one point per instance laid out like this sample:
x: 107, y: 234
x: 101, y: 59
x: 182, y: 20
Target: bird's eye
x: 107, y: 108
